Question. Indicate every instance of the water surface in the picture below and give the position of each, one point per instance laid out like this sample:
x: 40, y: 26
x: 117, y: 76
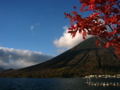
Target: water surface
x: 52, y: 84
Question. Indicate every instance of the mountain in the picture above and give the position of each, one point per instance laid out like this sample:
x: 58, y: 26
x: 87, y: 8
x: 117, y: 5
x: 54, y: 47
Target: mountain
x: 10, y: 69
x: 84, y: 59
x: 1, y: 69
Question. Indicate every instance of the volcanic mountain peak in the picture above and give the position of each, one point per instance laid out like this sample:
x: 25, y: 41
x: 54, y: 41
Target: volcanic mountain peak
x: 84, y: 59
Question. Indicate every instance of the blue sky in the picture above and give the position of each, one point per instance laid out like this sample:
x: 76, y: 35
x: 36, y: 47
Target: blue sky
x: 18, y: 16
x: 34, y: 26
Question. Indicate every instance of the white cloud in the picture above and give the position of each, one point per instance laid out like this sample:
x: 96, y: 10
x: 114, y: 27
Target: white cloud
x: 33, y: 26
x: 38, y: 23
x: 66, y: 41
x: 16, y: 58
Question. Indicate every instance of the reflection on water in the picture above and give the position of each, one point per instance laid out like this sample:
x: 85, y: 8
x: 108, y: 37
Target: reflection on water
x: 52, y: 84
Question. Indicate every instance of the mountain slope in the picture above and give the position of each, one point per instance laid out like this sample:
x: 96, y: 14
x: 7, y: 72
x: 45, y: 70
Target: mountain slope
x: 1, y: 69
x: 84, y: 59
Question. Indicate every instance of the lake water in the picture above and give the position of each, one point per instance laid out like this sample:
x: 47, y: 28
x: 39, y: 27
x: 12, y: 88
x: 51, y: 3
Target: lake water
x: 53, y: 84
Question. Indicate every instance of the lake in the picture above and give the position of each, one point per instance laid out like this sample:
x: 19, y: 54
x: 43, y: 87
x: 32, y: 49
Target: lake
x: 53, y: 84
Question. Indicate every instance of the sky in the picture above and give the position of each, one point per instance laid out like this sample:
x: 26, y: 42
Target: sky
x: 33, y: 31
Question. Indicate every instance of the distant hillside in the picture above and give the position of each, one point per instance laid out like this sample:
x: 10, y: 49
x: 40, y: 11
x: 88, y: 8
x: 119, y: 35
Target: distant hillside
x: 1, y: 69
x: 84, y: 59
x: 8, y: 70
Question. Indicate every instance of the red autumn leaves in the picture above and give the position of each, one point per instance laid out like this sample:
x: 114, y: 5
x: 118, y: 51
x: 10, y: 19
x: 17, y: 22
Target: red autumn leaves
x: 106, y: 13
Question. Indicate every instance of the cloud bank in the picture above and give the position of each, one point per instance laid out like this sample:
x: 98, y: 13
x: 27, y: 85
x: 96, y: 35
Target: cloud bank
x: 66, y: 41
x: 16, y: 58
